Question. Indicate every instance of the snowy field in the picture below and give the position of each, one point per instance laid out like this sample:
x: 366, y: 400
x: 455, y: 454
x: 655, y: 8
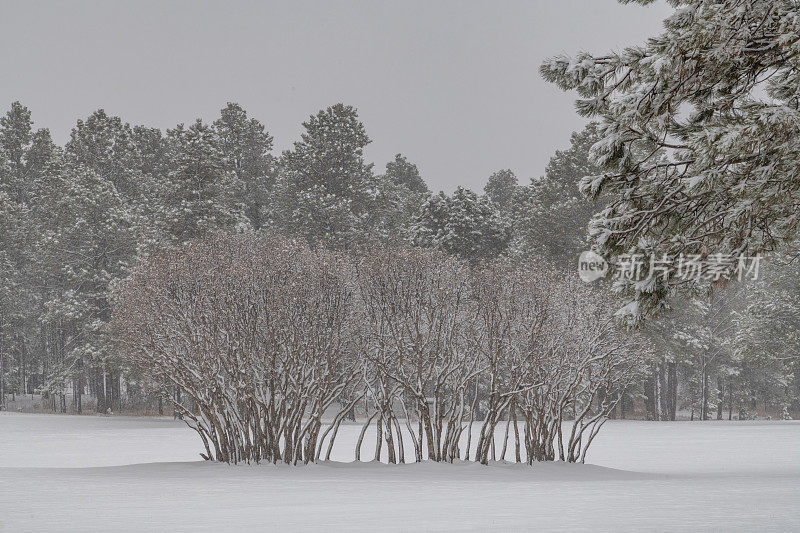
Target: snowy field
x: 107, y: 474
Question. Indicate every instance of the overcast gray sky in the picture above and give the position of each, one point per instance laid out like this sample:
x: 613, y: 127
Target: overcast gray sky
x: 453, y: 85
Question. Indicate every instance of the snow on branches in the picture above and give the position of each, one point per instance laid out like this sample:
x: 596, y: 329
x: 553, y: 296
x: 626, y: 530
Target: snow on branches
x: 700, y: 134
x: 273, y: 345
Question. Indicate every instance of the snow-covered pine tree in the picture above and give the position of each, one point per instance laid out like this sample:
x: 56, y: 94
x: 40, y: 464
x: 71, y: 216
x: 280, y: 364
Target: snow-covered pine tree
x: 200, y: 193
x: 105, y: 144
x: 550, y: 215
x: 134, y: 160
x: 502, y: 188
x: 30, y: 151
x: 399, y: 194
x: 16, y: 134
x: 767, y: 342
x: 84, y: 243
x: 404, y: 173
x: 10, y: 274
x: 700, y: 128
x: 246, y: 148
x: 465, y: 224
x: 26, y: 152
x: 325, y: 187
x: 703, y: 343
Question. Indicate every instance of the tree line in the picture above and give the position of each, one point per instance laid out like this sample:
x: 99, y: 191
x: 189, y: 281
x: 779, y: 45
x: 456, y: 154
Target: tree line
x: 76, y: 219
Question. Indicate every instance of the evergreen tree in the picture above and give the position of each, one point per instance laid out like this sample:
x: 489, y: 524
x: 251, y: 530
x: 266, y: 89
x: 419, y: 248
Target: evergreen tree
x: 20, y: 293
x: 400, y: 193
x: 246, y: 149
x: 767, y: 342
x: 41, y: 151
x: 12, y: 292
x: 700, y: 135
x: 105, y: 144
x: 704, y: 343
x: 502, y: 189
x: 153, y: 150
x: 16, y: 133
x: 326, y: 189
x: 551, y: 216
x: 199, y: 193
x: 85, y: 243
x: 26, y: 152
x: 402, y: 172
x: 464, y: 224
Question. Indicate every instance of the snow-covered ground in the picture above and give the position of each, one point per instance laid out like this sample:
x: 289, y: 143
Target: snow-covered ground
x: 115, y: 473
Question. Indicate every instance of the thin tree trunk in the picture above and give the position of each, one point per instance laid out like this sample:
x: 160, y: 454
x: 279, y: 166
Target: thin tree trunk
x: 663, y: 391
x: 730, y: 399
x: 649, y: 397
x: 361, y: 435
x: 2, y: 376
x: 704, y: 390
x: 505, y: 438
x: 516, y: 433
x: 379, y: 438
x: 672, y: 389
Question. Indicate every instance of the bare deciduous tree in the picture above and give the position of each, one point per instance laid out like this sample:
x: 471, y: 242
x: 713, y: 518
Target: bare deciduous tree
x: 270, y: 345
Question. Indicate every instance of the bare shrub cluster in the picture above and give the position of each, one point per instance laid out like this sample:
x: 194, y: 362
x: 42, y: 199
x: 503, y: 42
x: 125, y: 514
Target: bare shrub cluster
x: 273, y: 345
